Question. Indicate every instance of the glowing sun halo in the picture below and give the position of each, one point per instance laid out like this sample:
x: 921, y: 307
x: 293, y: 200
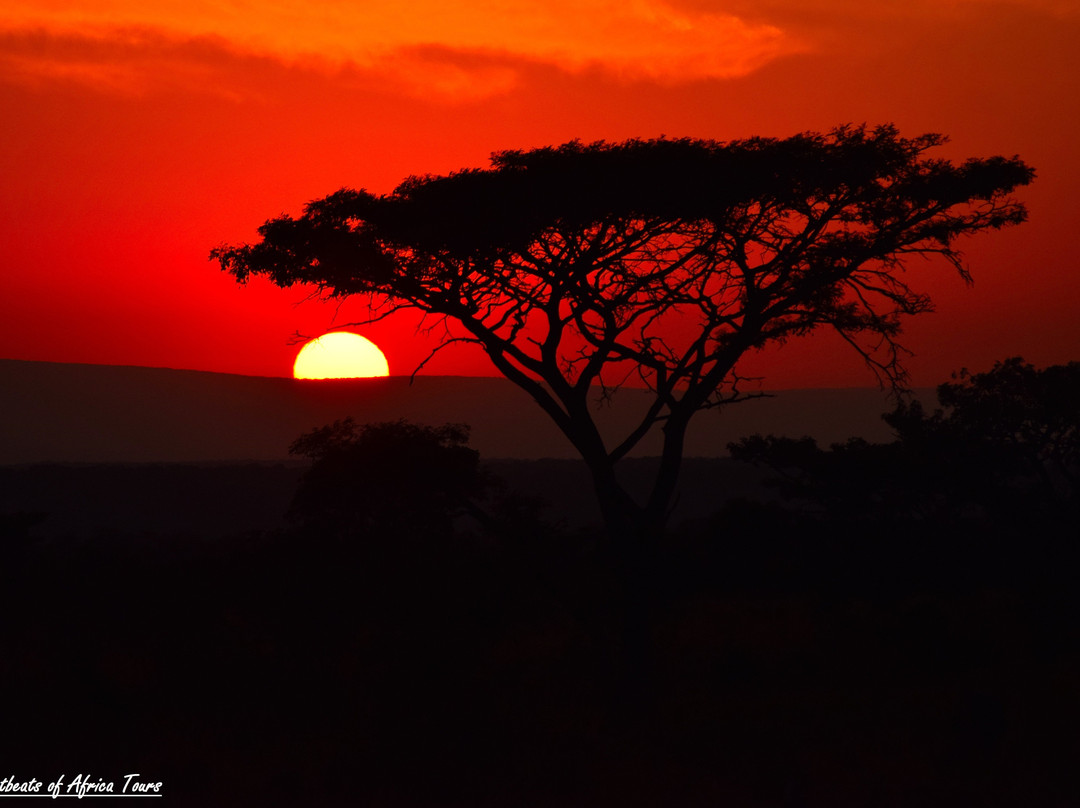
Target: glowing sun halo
x: 340, y: 355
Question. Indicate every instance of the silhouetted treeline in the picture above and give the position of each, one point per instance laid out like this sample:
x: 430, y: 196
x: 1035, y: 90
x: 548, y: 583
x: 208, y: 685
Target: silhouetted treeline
x: 986, y: 485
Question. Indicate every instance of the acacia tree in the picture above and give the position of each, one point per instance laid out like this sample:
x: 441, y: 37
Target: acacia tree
x: 578, y: 267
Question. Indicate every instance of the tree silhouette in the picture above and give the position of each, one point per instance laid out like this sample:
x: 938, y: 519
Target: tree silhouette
x: 1018, y: 421
x: 410, y: 485
x: 1003, y: 449
x: 579, y: 267
x: 396, y: 477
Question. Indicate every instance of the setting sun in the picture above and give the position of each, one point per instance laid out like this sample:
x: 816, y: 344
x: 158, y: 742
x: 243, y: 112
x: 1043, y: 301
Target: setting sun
x: 340, y: 355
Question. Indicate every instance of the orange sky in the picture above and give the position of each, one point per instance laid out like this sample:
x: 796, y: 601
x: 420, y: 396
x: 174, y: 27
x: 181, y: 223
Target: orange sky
x: 135, y: 137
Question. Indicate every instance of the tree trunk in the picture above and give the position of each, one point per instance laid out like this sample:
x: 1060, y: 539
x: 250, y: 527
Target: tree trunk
x: 634, y: 534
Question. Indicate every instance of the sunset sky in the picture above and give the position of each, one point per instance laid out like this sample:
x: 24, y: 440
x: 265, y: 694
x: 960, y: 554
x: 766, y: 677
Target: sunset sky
x: 136, y: 137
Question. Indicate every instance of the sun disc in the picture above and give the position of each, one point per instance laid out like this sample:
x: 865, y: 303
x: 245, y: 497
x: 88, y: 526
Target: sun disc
x: 340, y: 355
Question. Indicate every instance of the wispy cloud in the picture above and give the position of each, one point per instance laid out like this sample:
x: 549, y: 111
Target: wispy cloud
x: 636, y: 39
x: 795, y: 11
x: 130, y: 63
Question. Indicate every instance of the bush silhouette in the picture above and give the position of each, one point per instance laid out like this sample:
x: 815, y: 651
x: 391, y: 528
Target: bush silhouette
x: 391, y: 477
x: 1009, y: 437
x: 1014, y: 427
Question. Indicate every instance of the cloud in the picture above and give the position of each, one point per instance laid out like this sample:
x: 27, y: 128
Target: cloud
x: 130, y: 64
x: 1057, y: 8
x: 795, y: 12
x: 634, y: 39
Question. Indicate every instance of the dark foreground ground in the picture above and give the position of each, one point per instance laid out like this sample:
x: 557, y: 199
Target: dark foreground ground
x: 795, y: 662
x: 205, y: 500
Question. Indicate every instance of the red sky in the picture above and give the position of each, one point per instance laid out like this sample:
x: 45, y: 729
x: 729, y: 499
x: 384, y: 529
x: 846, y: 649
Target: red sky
x: 137, y: 136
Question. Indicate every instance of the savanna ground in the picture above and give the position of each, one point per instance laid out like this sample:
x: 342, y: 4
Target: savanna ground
x: 802, y: 656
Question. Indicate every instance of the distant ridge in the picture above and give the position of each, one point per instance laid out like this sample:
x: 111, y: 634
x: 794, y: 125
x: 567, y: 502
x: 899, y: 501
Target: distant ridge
x: 75, y: 413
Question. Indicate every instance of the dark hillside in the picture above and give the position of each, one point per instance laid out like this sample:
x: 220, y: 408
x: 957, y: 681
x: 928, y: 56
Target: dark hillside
x: 60, y: 413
